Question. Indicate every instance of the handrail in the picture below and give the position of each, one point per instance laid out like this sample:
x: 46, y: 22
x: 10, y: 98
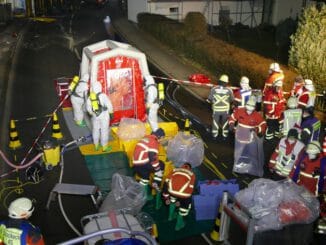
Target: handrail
x: 109, y: 231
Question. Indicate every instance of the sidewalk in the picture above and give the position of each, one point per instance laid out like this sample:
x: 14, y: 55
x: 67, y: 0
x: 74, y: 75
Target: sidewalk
x: 159, y: 55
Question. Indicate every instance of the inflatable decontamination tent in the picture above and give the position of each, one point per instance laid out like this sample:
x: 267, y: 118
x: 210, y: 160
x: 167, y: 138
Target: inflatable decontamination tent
x: 120, y: 69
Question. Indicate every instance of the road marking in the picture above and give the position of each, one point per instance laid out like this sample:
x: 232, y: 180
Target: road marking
x: 216, y: 171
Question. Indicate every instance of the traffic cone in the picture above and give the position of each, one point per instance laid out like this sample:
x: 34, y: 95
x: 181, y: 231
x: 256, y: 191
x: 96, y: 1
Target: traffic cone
x: 14, y: 141
x: 56, y: 132
x: 215, y: 234
x: 187, y: 127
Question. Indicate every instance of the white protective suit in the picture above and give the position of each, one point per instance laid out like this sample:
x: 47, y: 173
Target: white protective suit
x: 77, y: 98
x: 152, y: 105
x: 100, y: 122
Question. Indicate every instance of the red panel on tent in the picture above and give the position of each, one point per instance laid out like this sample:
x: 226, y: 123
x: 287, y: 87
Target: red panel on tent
x: 122, y: 81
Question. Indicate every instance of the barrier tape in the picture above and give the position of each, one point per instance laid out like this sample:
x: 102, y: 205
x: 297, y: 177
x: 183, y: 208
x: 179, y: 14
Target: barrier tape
x: 209, y: 84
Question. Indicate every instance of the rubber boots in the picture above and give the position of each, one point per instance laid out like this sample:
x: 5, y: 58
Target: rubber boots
x: 107, y: 148
x: 180, y: 223
x: 171, y: 211
x: 148, y: 193
x: 158, y: 203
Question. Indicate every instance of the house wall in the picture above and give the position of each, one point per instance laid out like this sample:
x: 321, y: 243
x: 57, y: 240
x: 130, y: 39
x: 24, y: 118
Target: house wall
x: 246, y: 12
x: 135, y: 7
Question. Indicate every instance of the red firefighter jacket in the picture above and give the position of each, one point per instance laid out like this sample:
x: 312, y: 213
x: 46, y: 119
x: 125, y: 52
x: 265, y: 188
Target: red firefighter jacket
x: 146, y: 152
x: 309, y: 173
x: 275, y: 76
x: 304, y: 98
x: 274, y: 104
x: 180, y: 183
x: 253, y: 121
x: 285, y: 156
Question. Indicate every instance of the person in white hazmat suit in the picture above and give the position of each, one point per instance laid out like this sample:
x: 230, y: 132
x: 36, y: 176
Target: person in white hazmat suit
x: 100, y: 108
x: 151, y: 100
x: 78, y: 97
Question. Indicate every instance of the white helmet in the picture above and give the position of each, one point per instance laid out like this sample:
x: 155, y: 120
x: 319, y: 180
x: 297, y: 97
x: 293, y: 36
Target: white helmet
x: 251, y: 104
x: 275, y: 67
x: 292, y: 102
x: 244, y: 82
x: 224, y: 78
x: 97, y: 87
x: 309, y: 85
x: 21, y: 208
x: 149, y: 80
x: 85, y: 77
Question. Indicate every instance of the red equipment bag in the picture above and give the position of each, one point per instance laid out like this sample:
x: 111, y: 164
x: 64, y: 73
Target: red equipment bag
x: 199, y: 78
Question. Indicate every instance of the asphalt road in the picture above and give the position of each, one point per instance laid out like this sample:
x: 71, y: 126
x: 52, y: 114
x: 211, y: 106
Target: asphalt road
x: 51, y: 50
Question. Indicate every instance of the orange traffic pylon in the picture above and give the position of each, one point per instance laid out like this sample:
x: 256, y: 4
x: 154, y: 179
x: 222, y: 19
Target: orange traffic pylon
x: 14, y: 141
x: 56, y: 131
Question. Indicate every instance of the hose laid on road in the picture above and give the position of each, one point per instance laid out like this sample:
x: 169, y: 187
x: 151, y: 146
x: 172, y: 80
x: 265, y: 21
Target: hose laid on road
x: 20, y: 166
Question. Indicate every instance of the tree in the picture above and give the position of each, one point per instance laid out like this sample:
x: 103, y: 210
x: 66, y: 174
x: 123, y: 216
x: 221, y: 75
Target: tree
x: 307, y: 54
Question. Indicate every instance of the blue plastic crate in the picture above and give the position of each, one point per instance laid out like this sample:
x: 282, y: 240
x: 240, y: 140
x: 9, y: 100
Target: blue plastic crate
x: 217, y: 187
x: 206, y: 207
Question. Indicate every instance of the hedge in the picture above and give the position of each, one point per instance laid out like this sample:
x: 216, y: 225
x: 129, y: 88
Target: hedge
x: 214, y: 54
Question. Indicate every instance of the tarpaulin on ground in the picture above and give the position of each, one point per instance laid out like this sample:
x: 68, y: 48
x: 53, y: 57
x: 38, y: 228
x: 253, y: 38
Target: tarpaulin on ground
x: 102, y: 167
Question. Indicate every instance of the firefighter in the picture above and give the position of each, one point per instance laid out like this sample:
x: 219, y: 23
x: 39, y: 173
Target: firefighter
x: 146, y: 161
x: 221, y: 98
x: 152, y: 105
x: 310, y: 126
x: 309, y: 170
x: 177, y: 192
x: 288, y: 150
x: 292, y: 116
x: 307, y: 98
x: 274, y: 106
x: 297, y: 86
x: 274, y: 74
x: 78, y: 95
x: 249, y: 126
x: 242, y: 94
x: 100, y: 108
x: 17, y: 229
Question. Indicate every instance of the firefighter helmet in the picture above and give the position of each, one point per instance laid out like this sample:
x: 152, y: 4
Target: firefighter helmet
x: 293, y: 133
x: 85, y: 77
x: 224, y: 78
x: 275, y: 67
x: 21, y: 208
x: 292, y: 102
x: 159, y: 133
x: 309, y: 85
x: 251, y: 104
x: 244, y: 82
x: 313, y: 147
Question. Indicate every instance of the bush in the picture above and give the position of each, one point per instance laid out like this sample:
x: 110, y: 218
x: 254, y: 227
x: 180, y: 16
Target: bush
x: 308, y: 46
x: 214, y: 54
x: 195, y: 26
